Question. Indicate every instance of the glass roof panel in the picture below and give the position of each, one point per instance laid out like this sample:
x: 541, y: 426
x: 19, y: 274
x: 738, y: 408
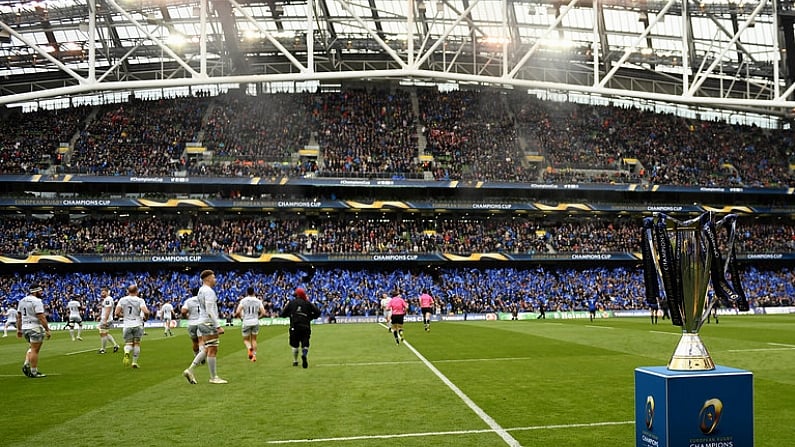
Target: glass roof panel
x: 486, y: 11
x: 132, y: 31
x: 759, y: 34
x: 669, y: 26
x: 183, y: 12
x: 622, y: 21
x: 581, y: 18
x: 37, y: 38
x: 705, y: 29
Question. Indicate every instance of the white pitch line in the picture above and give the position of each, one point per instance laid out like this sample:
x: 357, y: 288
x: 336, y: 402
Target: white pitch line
x: 557, y: 426
x: 447, y: 433
x: 496, y: 359
x: 410, y: 362
x: 399, y: 435
x: 667, y: 333
x: 501, y: 432
x: 762, y: 349
x: 781, y: 344
x: 82, y: 352
x: 599, y: 327
x: 497, y: 428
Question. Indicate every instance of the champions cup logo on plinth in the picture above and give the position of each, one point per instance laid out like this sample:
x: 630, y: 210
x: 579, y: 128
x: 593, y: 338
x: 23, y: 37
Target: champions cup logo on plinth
x: 649, y: 412
x: 709, y: 416
x: 680, y: 259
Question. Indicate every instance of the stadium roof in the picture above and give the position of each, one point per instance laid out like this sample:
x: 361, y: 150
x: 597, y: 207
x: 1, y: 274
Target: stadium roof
x: 726, y: 54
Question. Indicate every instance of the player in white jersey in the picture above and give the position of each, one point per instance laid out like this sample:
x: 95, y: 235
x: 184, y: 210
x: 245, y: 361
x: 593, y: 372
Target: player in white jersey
x: 167, y: 314
x: 387, y: 310
x: 190, y: 311
x: 11, y: 320
x: 209, y: 329
x: 105, y: 317
x: 74, y: 306
x: 132, y: 309
x: 34, y: 328
x: 250, y: 309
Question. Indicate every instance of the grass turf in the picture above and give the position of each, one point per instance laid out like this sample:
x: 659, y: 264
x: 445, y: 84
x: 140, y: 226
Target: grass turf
x: 545, y: 383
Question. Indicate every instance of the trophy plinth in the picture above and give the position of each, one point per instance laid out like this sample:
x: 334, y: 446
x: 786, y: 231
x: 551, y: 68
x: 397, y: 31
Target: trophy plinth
x: 691, y: 355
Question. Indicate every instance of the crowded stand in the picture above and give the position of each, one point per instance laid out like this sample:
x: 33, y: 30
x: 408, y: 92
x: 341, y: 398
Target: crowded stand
x: 344, y: 293
x: 672, y: 149
x: 29, y: 142
x: 266, y: 128
x: 139, y: 234
x: 401, y: 133
x: 471, y: 136
x: 111, y: 235
x: 138, y: 138
x: 363, y: 134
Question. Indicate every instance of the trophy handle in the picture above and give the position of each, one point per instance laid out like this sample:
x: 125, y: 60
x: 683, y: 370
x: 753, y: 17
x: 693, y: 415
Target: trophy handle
x: 651, y: 278
x: 727, y: 292
x: 661, y: 260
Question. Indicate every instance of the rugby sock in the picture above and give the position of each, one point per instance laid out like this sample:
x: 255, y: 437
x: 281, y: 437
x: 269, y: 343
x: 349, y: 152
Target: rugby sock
x: 112, y: 340
x: 211, y: 365
x: 295, y: 354
x: 136, y: 353
x: 200, y: 357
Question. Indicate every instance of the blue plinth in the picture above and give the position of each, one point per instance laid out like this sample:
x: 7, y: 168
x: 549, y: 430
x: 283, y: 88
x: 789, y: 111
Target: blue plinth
x: 694, y: 408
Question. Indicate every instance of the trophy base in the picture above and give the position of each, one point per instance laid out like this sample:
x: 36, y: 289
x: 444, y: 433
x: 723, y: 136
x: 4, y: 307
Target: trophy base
x: 691, y: 355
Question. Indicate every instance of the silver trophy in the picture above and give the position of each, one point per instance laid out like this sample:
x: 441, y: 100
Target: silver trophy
x: 684, y: 257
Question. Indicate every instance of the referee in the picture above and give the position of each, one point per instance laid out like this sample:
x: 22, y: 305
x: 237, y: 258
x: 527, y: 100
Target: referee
x: 301, y: 312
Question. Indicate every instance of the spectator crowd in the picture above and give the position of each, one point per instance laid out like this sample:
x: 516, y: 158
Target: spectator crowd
x: 403, y: 133
x: 342, y: 292
x: 144, y: 234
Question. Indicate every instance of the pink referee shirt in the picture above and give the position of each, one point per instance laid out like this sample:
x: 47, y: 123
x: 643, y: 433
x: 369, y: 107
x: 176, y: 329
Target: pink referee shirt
x: 398, y: 306
x: 426, y: 300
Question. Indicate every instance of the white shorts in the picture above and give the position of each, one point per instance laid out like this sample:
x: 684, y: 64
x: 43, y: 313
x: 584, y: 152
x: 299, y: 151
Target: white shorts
x: 133, y: 334
x: 250, y: 330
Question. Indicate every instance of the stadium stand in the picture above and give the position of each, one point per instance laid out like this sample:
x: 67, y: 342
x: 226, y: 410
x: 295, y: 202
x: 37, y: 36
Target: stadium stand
x: 405, y: 133
x: 254, y: 236
x: 398, y: 183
